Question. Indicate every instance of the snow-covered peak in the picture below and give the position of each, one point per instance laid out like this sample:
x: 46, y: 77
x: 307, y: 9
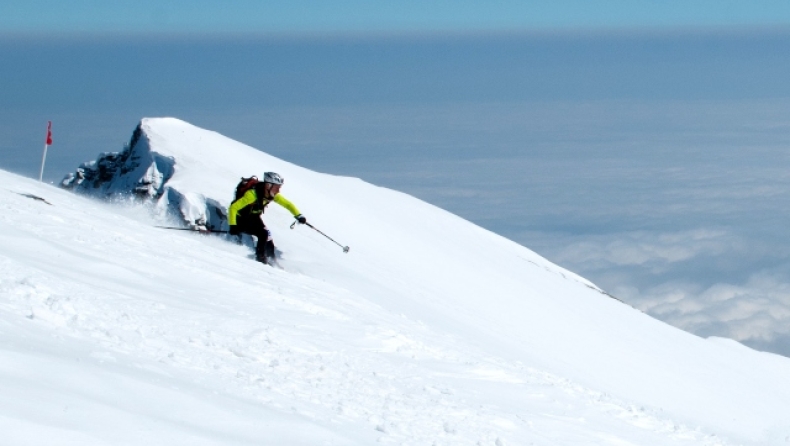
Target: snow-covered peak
x: 174, y: 164
x: 430, y: 329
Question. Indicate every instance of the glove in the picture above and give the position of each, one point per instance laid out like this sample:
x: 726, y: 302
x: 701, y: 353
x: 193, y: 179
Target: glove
x: 300, y: 218
x: 234, y: 230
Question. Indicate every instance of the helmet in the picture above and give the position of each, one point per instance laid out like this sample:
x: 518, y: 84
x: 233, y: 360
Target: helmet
x: 272, y: 177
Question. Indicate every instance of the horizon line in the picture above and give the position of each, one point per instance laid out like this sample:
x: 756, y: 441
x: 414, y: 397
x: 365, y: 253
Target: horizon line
x: 406, y: 34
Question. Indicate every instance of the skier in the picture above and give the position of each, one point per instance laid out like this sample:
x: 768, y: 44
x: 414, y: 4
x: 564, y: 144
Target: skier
x: 244, y: 214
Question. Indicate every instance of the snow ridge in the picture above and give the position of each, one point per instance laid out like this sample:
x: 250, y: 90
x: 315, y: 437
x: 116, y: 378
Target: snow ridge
x: 114, y: 331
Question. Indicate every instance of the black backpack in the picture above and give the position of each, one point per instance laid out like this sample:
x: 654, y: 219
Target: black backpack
x: 245, y: 184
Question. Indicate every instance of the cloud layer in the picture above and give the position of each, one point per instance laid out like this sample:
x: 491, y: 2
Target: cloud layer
x: 707, y: 281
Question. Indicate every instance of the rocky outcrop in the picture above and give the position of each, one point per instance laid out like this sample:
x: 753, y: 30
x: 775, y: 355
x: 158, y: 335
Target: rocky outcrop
x: 140, y: 172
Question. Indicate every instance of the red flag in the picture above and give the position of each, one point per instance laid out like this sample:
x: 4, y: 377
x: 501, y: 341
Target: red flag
x: 49, y: 133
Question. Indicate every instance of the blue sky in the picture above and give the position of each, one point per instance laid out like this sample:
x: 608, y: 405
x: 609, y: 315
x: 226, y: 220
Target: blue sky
x: 299, y: 16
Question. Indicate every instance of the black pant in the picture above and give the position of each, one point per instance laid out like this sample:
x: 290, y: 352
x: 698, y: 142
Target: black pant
x: 253, y: 225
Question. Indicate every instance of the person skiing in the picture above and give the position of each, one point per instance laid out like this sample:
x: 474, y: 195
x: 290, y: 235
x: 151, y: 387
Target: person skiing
x: 244, y: 214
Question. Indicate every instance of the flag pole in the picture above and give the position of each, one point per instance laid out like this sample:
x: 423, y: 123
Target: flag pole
x: 46, y: 145
x: 43, y: 160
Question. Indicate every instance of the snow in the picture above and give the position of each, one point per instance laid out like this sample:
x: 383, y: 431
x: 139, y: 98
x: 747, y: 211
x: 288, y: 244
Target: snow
x: 430, y: 330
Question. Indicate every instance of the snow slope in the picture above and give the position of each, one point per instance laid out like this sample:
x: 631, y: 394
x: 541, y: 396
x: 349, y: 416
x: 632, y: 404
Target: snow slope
x: 429, y: 331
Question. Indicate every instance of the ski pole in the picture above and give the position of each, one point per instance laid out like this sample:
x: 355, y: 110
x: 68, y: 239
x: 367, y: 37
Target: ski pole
x: 345, y: 248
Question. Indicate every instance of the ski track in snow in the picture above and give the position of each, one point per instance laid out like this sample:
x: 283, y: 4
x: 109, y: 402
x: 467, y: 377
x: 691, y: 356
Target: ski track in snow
x: 286, y: 341
x: 393, y: 381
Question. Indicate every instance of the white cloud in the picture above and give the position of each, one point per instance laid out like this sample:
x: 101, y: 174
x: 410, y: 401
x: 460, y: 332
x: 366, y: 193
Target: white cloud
x: 756, y: 312
x: 647, y: 248
x: 710, y: 282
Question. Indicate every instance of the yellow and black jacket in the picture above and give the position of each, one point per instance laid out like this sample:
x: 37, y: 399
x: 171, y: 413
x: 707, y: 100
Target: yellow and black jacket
x: 253, y: 202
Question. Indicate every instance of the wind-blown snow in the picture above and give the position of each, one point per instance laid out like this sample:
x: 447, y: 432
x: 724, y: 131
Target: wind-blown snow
x: 429, y: 331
